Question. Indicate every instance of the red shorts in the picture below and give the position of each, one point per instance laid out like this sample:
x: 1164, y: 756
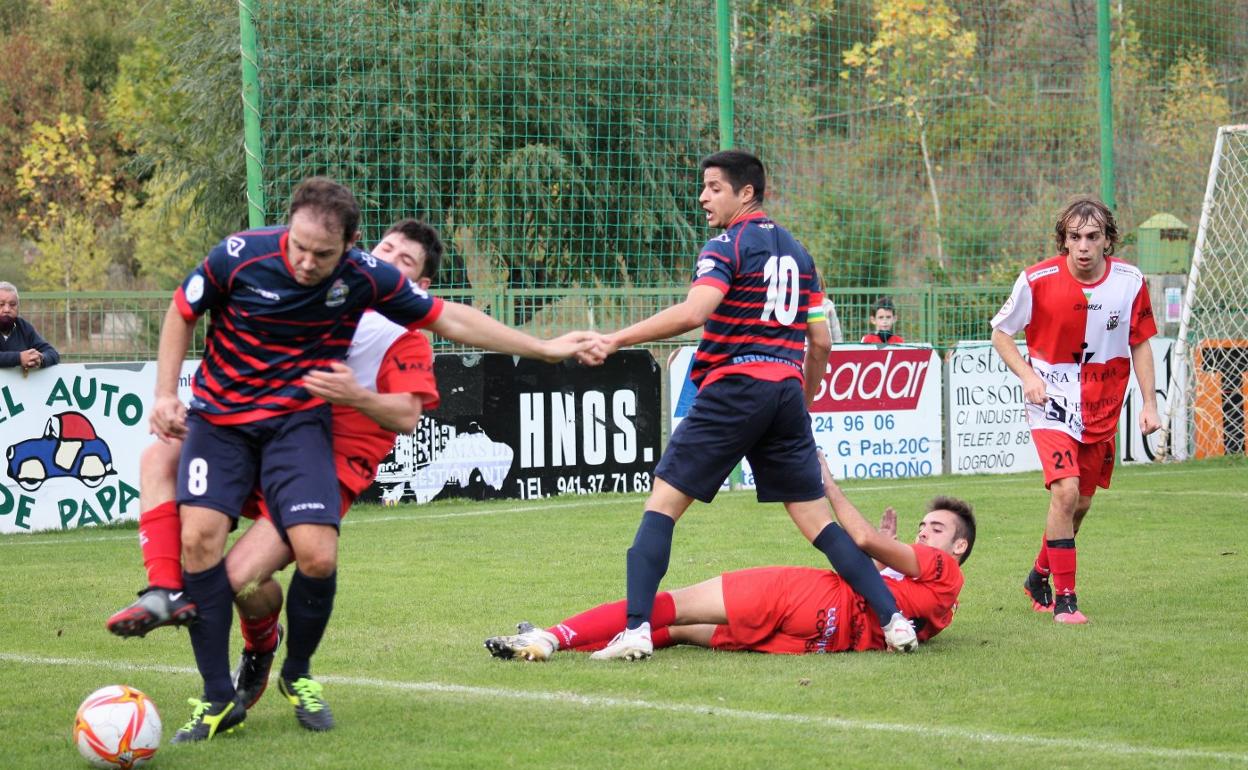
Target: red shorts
x: 787, y: 610
x: 1063, y: 457
x: 255, y: 507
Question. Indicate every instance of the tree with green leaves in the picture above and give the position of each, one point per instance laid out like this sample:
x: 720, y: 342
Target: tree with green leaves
x: 918, y: 53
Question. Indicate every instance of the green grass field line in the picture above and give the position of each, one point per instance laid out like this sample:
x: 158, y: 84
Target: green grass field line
x: 1156, y: 680
x: 599, y: 702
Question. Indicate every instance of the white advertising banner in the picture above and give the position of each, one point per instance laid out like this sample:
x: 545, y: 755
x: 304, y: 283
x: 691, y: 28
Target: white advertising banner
x: 1133, y: 446
x: 71, y: 437
x: 988, y: 430
x: 876, y: 414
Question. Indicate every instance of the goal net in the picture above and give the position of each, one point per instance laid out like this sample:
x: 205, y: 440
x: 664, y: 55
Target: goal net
x: 1210, y: 386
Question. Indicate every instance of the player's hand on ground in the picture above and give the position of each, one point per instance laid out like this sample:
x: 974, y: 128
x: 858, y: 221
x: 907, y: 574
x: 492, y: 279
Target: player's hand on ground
x: 1149, y: 421
x: 337, y: 385
x: 168, y: 419
x: 1034, y: 391
x: 888, y: 523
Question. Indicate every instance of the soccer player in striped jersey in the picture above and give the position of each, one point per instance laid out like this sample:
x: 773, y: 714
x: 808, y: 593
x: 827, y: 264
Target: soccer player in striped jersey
x: 757, y: 367
x: 1087, y: 319
x: 789, y: 610
x: 285, y: 301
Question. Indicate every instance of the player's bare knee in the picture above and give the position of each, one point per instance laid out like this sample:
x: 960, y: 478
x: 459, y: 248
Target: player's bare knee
x: 320, y: 564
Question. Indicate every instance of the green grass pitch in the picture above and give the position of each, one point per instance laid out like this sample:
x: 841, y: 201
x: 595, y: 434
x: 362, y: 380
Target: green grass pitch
x: 1159, y: 678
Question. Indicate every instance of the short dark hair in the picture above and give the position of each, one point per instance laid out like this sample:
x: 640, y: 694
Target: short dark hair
x: 1085, y: 208
x: 741, y: 168
x: 329, y: 198
x: 883, y: 303
x: 424, y: 234
x: 966, y: 520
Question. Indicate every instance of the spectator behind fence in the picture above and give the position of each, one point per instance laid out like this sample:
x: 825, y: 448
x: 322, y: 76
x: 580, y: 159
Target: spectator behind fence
x: 883, y: 316
x: 20, y: 344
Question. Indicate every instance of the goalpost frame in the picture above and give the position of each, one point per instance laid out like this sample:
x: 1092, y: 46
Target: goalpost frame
x: 1193, y: 275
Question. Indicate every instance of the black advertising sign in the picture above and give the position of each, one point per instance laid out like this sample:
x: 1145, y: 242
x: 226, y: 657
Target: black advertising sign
x: 515, y: 428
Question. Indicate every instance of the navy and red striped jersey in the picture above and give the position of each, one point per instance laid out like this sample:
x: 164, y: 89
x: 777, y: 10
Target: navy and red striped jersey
x: 769, y: 284
x: 266, y: 330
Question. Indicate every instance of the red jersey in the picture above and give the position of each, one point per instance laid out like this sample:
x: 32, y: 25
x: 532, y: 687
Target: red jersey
x: 875, y: 338
x: 1079, y: 339
x: 795, y: 610
x: 385, y: 358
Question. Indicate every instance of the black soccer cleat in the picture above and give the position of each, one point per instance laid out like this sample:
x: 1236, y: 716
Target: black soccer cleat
x: 251, y: 677
x: 154, y: 608
x: 210, y: 719
x: 1038, y: 588
x: 311, y: 709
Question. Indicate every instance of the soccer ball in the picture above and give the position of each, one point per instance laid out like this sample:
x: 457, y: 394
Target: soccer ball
x: 117, y: 726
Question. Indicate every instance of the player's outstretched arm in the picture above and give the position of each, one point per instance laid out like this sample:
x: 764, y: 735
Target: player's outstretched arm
x: 1033, y: 386
x: 168, y: 418
x: 875, y: 544
x: 398, y: 412
x: 469, y: 326
x: 676, y: 320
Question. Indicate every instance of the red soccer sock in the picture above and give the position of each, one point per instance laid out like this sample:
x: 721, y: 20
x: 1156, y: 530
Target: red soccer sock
x: 1042, y: 558
x: 259, y: 634
x: 160, y: 537
x: 595, y: 627
x: 1062, y: 560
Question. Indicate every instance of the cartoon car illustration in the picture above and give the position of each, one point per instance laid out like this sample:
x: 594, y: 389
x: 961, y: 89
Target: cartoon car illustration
x: 69, y: 447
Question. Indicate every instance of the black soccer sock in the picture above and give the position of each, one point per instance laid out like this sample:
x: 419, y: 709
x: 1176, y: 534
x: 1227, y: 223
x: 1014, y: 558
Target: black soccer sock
x: 857, y: 569
x: 309, y: 603
x: 647, y: 564
x: 210, y: 635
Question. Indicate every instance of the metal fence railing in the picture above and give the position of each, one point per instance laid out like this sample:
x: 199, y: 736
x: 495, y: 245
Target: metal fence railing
x: 125, y: 326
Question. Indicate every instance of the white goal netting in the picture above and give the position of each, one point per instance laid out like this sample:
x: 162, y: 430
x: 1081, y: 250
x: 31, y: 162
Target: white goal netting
x: 1210, y: 388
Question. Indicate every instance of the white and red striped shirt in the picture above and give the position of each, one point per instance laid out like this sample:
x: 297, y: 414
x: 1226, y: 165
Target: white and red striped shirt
x: 1079, y: 339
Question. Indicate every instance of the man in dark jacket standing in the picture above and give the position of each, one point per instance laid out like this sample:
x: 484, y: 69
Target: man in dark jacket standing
x: 20, y: 344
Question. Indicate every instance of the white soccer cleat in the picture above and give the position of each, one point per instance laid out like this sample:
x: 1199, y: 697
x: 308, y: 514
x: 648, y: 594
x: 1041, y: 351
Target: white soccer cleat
x: 532, y: 644
x: 899, y: 634
x: 629, y: 644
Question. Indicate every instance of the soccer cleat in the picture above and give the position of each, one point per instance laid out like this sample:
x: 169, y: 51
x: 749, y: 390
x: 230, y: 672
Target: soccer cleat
x: 154, y: 608
x: 530, y: 643
x: 1066, y: 611
x: 899, y: 634
x: 251, y: 678
x: 629, y: 644
x: 311, y: 709
x: 1038, y: 588
x: 210, y: 719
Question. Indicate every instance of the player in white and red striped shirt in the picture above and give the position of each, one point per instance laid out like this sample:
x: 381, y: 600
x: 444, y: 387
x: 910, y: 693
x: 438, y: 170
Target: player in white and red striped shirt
x: 1087, y: 319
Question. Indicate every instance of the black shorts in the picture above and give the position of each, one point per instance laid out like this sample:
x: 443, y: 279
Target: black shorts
x: 289, y: 458
x: 738, y: 416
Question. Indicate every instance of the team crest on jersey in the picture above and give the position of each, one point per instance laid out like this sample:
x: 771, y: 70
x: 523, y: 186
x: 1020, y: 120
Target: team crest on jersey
x: 234, y: 245
x: 1112, y: 323
x: 337, y: 294
x: 705, y: 266
x: 195, y: 289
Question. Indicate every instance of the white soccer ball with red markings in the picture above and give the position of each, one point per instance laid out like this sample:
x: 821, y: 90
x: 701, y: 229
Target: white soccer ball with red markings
x: 117, y: 726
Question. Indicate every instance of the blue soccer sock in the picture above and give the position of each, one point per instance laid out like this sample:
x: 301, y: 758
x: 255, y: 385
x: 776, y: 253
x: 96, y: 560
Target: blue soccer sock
x: 210, y: 635
x: 857, y: 569
x: 647, y: 564
x: 309, y: 603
